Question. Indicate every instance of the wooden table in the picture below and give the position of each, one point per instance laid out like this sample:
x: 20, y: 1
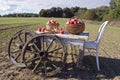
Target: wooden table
x: 77, y: 40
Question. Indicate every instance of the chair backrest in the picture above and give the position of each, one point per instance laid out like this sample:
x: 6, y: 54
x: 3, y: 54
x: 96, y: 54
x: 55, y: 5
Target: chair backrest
x: 100, y: 31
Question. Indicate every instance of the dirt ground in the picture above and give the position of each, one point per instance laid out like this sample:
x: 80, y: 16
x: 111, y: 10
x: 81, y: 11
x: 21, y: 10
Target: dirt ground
x: 109, y: 65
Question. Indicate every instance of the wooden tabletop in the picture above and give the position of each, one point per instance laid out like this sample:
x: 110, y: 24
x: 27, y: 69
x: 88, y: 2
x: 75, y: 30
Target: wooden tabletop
x: 81, y: 36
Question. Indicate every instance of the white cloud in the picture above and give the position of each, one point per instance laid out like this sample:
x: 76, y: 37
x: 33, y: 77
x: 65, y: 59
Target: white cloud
x: 4, y: 7
x: 34, y: 6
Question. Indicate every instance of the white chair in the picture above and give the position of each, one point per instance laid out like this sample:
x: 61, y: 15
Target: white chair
x: 93, y: 46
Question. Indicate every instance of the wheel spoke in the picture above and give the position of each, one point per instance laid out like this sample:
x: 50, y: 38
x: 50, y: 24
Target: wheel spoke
x: 54, y: 56
x: 34, y: 59
x: 32, y: 52
x: 20, y: 39
x: 25, y: 39
x: 36, y: 47
x: 43, y: 42
x: 52, y: 64
x: 50, y: 45
x: 17, y: 56
x: 55, y: 50
x: 37, y: 65
x: 16, y: 44
x: 45, y: 71
x: 17, y: 50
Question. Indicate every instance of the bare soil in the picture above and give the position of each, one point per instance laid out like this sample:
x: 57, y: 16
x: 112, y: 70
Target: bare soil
x: 109, y: 65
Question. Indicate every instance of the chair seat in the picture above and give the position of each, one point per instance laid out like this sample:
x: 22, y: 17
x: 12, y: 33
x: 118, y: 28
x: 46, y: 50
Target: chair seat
x: 90, y: 45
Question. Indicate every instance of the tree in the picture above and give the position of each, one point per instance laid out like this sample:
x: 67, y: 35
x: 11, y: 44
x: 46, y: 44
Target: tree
x: 90, y: 15
x: 56, y: 12
x: 117, y: 2
x: 114, y: 13
x: 74, y: 9
x: 112, y: 4
x: 101, y: 12
x: 67, y: 13
x: 59, y: 12
x: 81, y: 12
x: 43, y: 13
x: 53, y: 12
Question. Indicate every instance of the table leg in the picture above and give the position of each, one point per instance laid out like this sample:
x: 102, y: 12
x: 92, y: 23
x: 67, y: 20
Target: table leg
x: 80, y: 57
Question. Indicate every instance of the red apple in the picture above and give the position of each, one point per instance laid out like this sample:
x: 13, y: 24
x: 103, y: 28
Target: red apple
x: 71, y: 22
x: 61, y: 32
x: 75, y: 19
x: 39, y: 29
x: 78, y: 22
x: 75, y: 22
x: 42, y: 29
x: 72, y: 19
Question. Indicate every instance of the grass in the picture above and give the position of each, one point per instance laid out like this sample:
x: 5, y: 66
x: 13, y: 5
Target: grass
x: 110, y: 38
x: 40, y: 20
x: 109, y: 47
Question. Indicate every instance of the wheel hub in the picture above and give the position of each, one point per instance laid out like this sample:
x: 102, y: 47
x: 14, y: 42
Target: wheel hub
x: 20, y: 47
x: 43, y: 54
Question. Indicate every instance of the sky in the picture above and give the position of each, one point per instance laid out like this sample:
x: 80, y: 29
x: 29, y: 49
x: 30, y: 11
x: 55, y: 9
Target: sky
x: 34, y: 6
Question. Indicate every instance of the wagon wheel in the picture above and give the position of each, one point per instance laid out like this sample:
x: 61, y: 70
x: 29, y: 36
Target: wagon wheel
x: 47, y: 58
x: 16, y: 44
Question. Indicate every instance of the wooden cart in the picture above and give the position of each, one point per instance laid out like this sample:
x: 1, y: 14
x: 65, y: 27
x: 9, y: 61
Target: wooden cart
x: 43, y: 53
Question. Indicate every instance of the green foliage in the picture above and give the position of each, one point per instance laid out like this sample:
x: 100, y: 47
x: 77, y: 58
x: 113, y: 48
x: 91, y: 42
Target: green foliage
x: 112, y: 4
x: 117, y: 3
x: 81, y: 12
x: 57, y: 12
x: 114, y: 13
x: 53, y: 12
x: 43, y: 13
x: 101, y: 12
x: 90, y: 14
x: 21, y: 15
x: 74, y: 9
x: 67, y: 13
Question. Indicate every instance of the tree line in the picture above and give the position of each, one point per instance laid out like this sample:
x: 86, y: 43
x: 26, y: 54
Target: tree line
x: 91, y: 14
x: 21, y: 15
x: 111, y: 12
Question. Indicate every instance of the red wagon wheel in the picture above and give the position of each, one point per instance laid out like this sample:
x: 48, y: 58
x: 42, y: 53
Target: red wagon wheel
x: 16, y: 44
x: 46, y: 55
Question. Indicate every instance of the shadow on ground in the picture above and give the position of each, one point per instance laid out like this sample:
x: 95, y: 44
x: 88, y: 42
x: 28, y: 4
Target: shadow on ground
x: 109, y: 69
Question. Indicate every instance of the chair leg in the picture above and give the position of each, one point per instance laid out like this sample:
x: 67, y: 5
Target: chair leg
x: 97, y: 61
